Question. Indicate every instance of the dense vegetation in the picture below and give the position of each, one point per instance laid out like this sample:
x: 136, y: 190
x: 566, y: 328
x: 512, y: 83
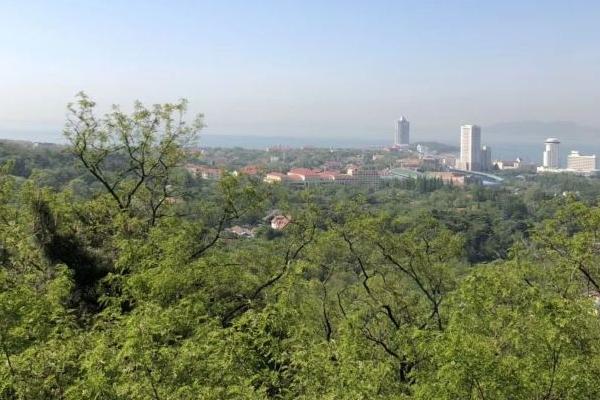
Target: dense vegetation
x: 117, y: 280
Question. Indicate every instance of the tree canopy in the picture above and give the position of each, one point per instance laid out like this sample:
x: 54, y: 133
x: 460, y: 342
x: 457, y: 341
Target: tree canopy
x: 134, y: 290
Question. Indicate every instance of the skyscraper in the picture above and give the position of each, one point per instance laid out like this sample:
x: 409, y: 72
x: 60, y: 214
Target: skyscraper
x: 551, y: 153
x: 470, y: 147
x: 402, y: 136
x: 486, y: 158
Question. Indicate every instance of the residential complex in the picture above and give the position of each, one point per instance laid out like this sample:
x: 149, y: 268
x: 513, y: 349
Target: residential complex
x: 580, y: 163
x: 307, y: 176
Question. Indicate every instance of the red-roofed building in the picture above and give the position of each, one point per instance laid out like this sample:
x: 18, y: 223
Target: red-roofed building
x: 279, y: 222
x: 251, y: 170
x: 329, y: 175
x: 305, y: 174
x: 336, y: 177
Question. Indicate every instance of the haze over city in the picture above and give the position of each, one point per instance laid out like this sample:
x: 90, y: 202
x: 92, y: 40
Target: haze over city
x: 342, y: 70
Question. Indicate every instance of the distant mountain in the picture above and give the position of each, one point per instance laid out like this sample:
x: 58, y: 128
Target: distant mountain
x: 537, y: 131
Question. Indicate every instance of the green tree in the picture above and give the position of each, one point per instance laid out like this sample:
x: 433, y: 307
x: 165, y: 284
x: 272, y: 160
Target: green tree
x: 133, y: 156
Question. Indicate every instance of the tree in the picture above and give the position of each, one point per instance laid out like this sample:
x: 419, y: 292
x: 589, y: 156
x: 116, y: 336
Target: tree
x: 133, y: 156
x: 508, y: 338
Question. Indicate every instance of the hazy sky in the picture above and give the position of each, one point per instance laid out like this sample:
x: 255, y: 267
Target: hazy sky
x: 305, y: 68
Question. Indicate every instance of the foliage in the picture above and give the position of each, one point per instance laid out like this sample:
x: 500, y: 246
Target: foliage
x: 396, y: 292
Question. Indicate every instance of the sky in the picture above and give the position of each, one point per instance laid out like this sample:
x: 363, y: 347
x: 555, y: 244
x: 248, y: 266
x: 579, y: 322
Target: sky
x: 304, y: 68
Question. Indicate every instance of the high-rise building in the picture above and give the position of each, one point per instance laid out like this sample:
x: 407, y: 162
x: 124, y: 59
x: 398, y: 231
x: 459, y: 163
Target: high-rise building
x: 402, y: 136
x: 551, y: 153
x: 577, y: 162
x: 470, y: 147
x: 486, y: 158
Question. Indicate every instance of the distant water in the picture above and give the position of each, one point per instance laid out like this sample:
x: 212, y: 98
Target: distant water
x: 262, y: 142
x: 528, y: 151
x: 47, y: 136
x: 533, y: 152
x: 505, y: 150
x: 212, y: 140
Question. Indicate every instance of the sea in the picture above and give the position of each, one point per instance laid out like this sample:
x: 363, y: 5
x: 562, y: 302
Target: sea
x: 527, y: 150
x: 505, y: 149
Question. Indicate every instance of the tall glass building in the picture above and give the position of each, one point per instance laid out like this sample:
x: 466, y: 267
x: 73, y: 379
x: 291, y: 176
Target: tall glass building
x: 402, y: 132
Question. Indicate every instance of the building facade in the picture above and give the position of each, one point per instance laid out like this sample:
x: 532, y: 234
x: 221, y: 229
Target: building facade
x: 470, y: 148
x: 402, y: 136
x: 579, y: 163
x: 486, y: 158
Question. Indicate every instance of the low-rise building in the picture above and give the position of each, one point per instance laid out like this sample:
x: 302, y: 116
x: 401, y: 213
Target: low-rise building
x: 449, y: 178
x: 252, y: 170
x: 410, y: 163
x: 336, y: 177
x: 351, y: 169
x: 275, y: 177
x: 366, y: 176
x: 448, y: 160
x: 304, y: 174
x: 518, y: 165
x: 204, y: 172
x: 279, y: 222
x: 430, y: 162
x: 241, y: 231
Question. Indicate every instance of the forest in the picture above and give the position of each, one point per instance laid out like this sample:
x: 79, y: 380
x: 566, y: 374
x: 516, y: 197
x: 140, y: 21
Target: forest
x: 120, y: 279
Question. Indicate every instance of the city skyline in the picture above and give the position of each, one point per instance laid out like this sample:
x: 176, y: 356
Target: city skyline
x: 336, y: 69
